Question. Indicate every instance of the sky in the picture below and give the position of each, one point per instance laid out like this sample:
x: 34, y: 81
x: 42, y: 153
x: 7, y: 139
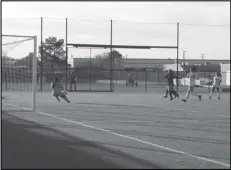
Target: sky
x: 134, y: 23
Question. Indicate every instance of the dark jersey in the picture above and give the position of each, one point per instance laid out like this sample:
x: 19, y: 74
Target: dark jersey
x: 170, y: 79
x: 73, y: 80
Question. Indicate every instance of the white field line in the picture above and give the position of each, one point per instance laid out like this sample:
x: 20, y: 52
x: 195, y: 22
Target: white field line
x: 135, y: 139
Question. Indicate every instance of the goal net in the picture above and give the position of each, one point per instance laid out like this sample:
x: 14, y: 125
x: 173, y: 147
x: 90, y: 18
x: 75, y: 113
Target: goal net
x: 18, y: 71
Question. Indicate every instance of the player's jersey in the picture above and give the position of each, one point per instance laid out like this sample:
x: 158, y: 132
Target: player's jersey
x: 73, y: 80
x: 217, y: 81
x: 192, y: 78
x: 170, y: 79
x: 130, y: 78
x: 56, y: 87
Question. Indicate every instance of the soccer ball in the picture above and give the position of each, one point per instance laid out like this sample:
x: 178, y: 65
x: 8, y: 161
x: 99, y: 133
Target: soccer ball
x: 64, y: 92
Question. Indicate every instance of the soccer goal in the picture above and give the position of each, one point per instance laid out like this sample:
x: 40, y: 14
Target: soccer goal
x: 18, y: 71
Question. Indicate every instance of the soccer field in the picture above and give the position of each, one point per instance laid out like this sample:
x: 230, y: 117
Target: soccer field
x: 139, y: 130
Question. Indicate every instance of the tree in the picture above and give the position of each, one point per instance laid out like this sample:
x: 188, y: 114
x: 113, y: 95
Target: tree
x: 53, y: 49
x: 118, y: 60
x: 26, y: 61
x: 6, y: 60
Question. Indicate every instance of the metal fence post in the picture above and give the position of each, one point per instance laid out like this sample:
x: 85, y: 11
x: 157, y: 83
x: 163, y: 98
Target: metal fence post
x: 209, y: 81
x: 90, y: 72
x: 177, y: 60
x: 145, y: 79
x: 66, y: 55
x: 158, y: 77
x: 41, y: 64
x: 111, y: 62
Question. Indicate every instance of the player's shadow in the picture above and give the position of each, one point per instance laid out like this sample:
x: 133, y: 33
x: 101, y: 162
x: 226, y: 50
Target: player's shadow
x: 26, y: 144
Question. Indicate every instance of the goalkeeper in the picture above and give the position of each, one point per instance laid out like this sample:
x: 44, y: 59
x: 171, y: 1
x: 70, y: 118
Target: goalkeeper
x: 58, y: 91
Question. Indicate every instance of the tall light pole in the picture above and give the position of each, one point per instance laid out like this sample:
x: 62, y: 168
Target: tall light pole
x: 184, y: 55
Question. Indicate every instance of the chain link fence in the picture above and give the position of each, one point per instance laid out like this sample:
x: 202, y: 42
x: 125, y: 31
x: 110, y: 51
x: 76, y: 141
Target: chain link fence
x: 97, y: 77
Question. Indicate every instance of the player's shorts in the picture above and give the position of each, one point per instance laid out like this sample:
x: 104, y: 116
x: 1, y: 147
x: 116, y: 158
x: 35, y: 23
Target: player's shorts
x: 191, y: 88
x: 215, y: 87
x: 58, y: 93
x: 170, y: 87
x: 73, y: 82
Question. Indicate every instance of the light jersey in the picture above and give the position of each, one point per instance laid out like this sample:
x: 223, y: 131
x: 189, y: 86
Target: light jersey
x: 217, y: 81
x: 192, y: 78
x: 57, y: 87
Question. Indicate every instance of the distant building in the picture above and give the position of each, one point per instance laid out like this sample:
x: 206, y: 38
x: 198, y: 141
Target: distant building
x: 53, y: 69
x: 199, y: 61
x: 151, y: 63
x: 81, y: 62
x: 156, y: 67
x: 225, y: 71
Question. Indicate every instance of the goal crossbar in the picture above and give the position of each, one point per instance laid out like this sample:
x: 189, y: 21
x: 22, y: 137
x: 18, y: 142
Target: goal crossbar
x: 15, y: 42
x: 22, y: 36
x: 118, y: 46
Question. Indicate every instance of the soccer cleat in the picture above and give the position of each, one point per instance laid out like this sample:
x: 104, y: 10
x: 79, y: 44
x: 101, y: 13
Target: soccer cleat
x: 177, y: 96
x: 219, y: 98
x: 67, y: 101
x: 165, y: 96
x: 183, y: 100
x: 210, y: 97
x: 170, y: 99
x: 199, y: 98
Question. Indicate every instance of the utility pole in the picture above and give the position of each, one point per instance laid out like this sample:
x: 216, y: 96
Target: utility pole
x: 202, y: 56
x: 184, y: 55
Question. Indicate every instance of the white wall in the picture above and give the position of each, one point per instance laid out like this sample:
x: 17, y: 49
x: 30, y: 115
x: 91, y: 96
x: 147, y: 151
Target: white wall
x: 228, y: 78
x: 224, y: 69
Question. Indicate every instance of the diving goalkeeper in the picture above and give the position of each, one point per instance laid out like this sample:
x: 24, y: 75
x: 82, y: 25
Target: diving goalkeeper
x: 58, y: 90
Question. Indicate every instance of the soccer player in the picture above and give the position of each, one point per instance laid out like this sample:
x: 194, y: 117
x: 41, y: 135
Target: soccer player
x: 130, y: 78
x: 170, y: 88
x: 73, y: 82
x: 192, y: 75
x: 216, y: 85
x: 58, y: 90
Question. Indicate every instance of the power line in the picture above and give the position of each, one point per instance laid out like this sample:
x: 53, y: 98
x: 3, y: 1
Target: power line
x: 167, y: 23
x: 134, y: 22
x: 203, y: 25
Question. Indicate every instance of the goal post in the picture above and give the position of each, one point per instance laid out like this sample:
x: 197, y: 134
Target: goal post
x: 19, y: 72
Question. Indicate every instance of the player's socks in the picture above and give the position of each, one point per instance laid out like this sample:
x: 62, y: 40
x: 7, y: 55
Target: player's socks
x: 68, y: 101
x: 199, y: 97
x: 177, y: 95
x: 166, y: 93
